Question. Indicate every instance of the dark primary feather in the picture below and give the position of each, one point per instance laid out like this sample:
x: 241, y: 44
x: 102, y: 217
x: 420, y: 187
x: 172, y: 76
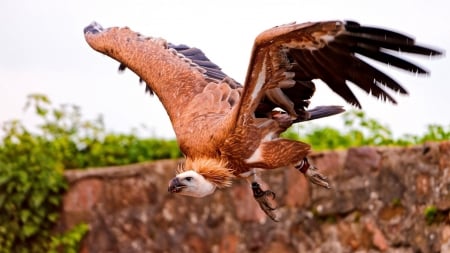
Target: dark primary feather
x: 388, y: 39
x: 123, y: 67
x: 198, y: 57
x: 338, y: 61
x: 212, y: 70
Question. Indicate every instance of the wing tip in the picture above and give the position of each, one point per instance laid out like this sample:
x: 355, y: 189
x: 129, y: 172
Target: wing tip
x: 93, y: 28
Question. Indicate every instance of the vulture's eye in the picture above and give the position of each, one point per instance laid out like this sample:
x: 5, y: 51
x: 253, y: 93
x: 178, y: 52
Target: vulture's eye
x: 189, y: 179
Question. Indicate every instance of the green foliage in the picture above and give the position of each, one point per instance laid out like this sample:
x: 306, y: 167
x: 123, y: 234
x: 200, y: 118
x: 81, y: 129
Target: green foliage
x: 435, y: 133
x: 433, y: 215
x: 69, y: 241
x: 79, y: 143
x: 31, y: 183
x: 116, y: 149
x: 362, y: 131
x: 396, y: 202
x: 31, y: 186
x: 430, y: 214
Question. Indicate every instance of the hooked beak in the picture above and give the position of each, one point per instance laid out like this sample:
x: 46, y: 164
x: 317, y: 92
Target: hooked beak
x: 175, y: 186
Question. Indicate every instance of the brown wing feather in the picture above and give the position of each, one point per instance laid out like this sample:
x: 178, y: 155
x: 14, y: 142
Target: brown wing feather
x: 335, y: 59
x: 328, y: 51
x: 188, y: 85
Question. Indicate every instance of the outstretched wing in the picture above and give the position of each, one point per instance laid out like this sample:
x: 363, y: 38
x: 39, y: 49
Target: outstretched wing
x: 196, y: 94
x: 285, y: 60
x: 212, y: 72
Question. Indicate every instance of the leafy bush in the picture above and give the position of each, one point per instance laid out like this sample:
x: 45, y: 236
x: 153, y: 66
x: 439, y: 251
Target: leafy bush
x: 116, y: 149
x: 32, y: 165
x: 31, y: 186
x: 31, y: 183
x: 69, y: 241
x: 80, y: 143
x: 361, y: 131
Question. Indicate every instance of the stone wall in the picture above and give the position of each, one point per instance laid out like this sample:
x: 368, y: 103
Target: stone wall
x: 386, y: 199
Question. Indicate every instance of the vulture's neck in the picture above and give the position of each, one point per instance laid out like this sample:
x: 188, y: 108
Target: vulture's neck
x: 215, y: 171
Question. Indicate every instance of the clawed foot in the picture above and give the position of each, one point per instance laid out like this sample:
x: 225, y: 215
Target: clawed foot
x: 262, y: 197
x: 315, y: 177
x: 313, y: 174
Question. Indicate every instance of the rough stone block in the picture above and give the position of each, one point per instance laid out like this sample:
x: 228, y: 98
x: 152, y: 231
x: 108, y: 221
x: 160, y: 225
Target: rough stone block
x: 376, y: 204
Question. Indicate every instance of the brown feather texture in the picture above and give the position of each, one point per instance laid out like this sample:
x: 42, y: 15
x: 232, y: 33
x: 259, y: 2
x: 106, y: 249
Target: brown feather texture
x: 215, y: 171
x: 229, y: 130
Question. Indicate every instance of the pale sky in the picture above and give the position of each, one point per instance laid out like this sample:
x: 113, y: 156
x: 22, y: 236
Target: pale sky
x: 43, y: 50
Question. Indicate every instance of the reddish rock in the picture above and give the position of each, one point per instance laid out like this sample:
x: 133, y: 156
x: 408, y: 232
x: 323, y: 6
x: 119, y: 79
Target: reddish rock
x: 378, y: 238
x: 445, y: 239
x: 444, y: 159
x: 443, y: 204
x: 79, y: 202
x: 430, y: 153
x: 278, y: 247
x: 391, y: 213
x: 350, y: 234
x: 297, y: 189
x: 446, y: 234
x: 196, y: 244
x: 330, y: 163
x: 83, y: 248
x: 246, y: 207
x: 83, y: 195
x: 423, y: 184
x: 363, y: 160
x: 229, y: 244
x: 369, y: 209
x: 127, y: 192
x: 330, y: 242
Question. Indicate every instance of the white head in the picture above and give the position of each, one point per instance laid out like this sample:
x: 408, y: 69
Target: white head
x: 200, y: 177
x: 191, y: 183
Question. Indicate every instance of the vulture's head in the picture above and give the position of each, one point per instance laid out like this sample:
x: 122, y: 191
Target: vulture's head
x: 191, y: 183
x: 200, y: 177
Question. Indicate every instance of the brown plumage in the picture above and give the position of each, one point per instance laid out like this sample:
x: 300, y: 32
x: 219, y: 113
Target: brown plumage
x: 227, y: 130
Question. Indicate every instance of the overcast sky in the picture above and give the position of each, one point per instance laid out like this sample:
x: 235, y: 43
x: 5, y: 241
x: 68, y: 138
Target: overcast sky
x: 43, y: 50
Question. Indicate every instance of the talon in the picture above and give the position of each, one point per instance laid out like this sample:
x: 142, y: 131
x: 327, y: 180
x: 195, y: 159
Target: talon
x: 315, y: 177
x: 313, y: 174
x: 262, y: 197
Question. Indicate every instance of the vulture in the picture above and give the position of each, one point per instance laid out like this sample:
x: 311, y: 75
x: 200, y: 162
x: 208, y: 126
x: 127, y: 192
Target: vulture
x: 228, y: 130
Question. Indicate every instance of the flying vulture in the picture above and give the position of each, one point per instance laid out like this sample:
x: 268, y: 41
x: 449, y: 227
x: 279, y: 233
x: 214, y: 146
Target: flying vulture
x: 227, y: 130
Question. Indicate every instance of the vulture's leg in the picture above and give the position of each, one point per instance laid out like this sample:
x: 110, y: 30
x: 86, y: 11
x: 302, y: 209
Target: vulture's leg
x: 312, y: 173
x: 263, y: 198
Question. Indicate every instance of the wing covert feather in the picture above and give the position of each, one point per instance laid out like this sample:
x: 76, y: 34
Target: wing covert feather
x: 329, y: 51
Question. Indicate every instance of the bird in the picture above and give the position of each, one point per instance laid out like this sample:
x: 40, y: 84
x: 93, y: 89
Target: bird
x: 228, y: 130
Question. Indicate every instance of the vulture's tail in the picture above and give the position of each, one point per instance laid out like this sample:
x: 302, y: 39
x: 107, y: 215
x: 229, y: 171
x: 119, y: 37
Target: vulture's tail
x: 321, y: 111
